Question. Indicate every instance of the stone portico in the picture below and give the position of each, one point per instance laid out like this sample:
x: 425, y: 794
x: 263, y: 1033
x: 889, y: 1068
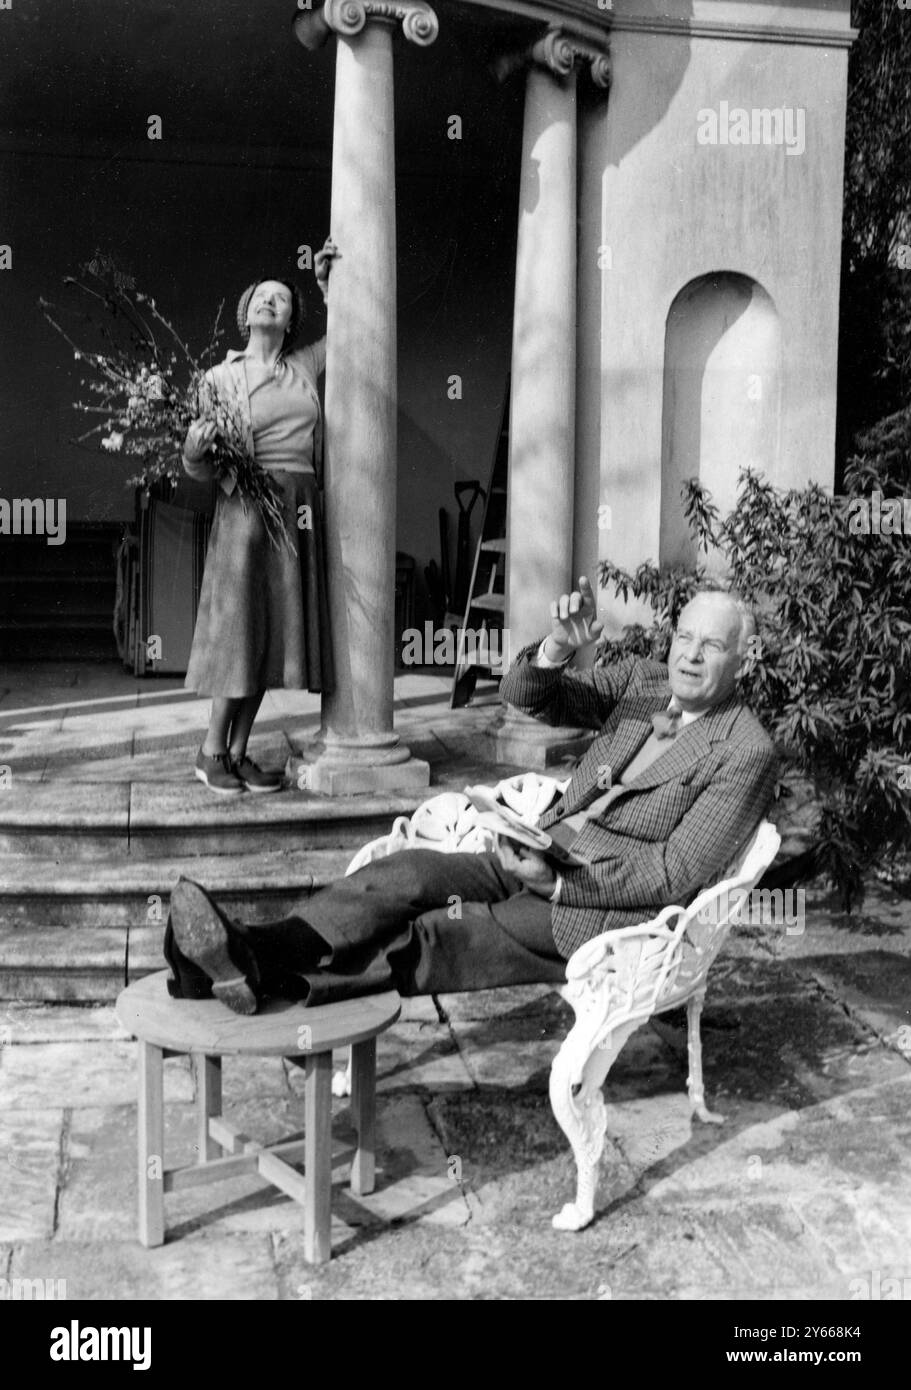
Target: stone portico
x: 630, y: 209
x: 675, y: 310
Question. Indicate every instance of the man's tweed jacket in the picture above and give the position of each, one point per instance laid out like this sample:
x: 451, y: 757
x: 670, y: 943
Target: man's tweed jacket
x: 677, y: 825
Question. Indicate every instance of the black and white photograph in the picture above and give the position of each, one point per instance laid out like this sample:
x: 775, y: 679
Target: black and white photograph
x: 455, y: 663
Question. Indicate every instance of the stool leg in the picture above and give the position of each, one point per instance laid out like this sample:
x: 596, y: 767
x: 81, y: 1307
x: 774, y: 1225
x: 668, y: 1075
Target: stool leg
x: 208, y: 1104
x: 318, y: 1157
x: 151, y: 1145
x: 363, y: 1108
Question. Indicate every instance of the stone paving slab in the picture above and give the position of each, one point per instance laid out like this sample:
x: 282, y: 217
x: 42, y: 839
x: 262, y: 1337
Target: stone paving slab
x: 421, y: 1009
x: 795, y: 1044
x: 117, y: 719
x: 98, y: 1197
x: 81, y: 1074
x: 383, y: 1264
x: 715, y: 1250
x: 159, y: 745
x: 418, y: 1181
x: 38, y: 1023
x: 236, y: 1267
x: 30, y: 1160
x: 858, y: 1234
x: 129, y: 716
x: 244, y: 1078
x: 419, y: 1056
x: 498, y: 1003
x: 512, y: 1157
x: 70, y: 752
x: 19, y: 720
x: 172, y: 757
x: 875, y: 986
x: 33, y: 772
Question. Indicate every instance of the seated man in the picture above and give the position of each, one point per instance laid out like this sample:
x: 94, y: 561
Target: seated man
x: 675, y: 782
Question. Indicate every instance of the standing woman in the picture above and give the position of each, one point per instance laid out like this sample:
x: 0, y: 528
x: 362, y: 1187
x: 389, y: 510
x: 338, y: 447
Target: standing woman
x: 263, y: 613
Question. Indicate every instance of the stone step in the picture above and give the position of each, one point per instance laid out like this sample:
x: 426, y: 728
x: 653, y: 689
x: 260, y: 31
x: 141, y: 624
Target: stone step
x: 53, y: 964
x: 72, y: 933
x: 76, y: 821
x: 81, y: 898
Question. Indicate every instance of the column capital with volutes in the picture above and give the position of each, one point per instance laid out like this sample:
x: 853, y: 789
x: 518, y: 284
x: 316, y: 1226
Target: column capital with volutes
x: 349, y: 17
x: 561, y: 51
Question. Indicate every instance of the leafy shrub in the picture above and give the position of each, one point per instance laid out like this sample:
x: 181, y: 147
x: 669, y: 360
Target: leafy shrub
x: 874, y: 349
x: 831, y: 675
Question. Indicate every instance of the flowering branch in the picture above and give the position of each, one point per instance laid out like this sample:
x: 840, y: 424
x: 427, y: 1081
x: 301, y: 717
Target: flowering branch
x: 149, y: 392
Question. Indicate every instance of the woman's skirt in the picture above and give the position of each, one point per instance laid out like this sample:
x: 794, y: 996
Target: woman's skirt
x: 263, y: 619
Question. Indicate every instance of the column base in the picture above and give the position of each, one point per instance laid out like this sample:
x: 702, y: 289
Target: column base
x: 517, y: 739
x: 357, y: 767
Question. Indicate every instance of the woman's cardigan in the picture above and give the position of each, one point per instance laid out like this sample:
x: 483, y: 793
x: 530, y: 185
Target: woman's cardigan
x: 228, y: 381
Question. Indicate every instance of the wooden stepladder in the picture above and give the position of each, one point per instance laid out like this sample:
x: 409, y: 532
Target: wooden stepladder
x: 479, y: 650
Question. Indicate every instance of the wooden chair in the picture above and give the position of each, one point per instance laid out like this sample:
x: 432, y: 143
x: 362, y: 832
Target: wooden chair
x: 615, y: 983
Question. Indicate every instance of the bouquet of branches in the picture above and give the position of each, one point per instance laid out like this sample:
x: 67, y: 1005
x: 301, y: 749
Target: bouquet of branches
x: 146, y: 386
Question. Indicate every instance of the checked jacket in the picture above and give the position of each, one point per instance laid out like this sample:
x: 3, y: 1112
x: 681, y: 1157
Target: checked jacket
x: 677, y: 825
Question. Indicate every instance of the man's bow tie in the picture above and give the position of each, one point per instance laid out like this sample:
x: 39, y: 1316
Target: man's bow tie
x: 666, y: 723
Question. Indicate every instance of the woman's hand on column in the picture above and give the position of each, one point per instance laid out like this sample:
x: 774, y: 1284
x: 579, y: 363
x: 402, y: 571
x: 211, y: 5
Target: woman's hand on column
x: 322, y: 265
x: 199, y: 441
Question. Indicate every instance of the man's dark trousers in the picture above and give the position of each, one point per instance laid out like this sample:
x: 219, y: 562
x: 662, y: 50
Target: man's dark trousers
x: 420, y: 922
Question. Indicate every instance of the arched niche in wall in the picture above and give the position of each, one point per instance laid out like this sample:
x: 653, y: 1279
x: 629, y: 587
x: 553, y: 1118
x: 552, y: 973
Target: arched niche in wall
x: 722, y: 395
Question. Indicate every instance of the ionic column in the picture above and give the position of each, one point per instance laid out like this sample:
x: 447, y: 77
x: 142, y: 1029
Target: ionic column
x: 358, y: 749
x: 543, y: 397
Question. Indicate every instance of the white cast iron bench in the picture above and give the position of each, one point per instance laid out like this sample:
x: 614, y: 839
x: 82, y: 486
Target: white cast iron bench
x: 615, y: 983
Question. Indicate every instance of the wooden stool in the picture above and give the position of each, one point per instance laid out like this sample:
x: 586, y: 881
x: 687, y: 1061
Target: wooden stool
x: 207, y: 1030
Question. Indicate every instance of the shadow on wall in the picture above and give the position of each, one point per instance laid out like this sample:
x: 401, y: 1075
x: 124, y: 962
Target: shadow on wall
x: 631, y: 121
x: 722, y: 396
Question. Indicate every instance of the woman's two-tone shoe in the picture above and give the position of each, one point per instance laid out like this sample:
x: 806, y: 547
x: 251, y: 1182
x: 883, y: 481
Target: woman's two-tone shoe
x: 251, y: 776
x: 217, y: 772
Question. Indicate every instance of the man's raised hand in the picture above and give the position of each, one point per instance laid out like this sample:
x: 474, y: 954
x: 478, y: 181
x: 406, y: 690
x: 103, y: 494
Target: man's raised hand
x: 575, y: 622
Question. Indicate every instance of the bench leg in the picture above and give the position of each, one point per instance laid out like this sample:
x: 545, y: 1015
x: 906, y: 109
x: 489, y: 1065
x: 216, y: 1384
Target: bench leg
x: 577, y: 1074
x: 151, y: 1145
x: 318, y: 1157
x: 694, y: 1049
x: 363, y: 1108
x: 208, y: 1105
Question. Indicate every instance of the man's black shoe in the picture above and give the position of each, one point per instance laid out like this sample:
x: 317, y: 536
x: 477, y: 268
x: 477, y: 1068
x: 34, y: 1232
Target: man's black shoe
x: 202, y: 937
x: 187, y: 980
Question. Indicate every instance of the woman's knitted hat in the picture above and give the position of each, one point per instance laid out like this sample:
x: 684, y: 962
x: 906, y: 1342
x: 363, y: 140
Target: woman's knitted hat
x: 297, y: 309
